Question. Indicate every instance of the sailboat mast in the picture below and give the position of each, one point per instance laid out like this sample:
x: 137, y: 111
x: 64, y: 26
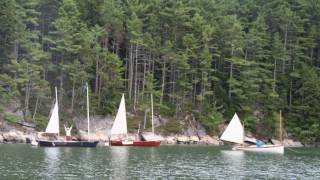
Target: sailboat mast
x: 56, y: 94
x: 55, y: 88
x: 243, y: 137
x: 280, y: 129
x: 88, y: 110
x: 152, y: 113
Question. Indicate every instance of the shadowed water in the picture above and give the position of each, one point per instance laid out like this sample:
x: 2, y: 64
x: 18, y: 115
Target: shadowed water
x: 166, y: 162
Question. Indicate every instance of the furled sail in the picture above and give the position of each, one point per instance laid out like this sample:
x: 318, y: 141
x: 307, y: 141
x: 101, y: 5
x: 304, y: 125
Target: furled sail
x: 53, y: 125
x: 234, y: 131
x: 120, y: 123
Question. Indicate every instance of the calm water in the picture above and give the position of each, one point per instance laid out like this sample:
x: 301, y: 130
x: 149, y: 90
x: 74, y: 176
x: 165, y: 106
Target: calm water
x: 165, y: 162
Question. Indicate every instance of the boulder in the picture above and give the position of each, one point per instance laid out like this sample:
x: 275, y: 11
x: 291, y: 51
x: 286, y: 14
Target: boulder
x: 292, y: 143
x: 29, y: 138
x: 183, y: 140
x: 170, y: 140
x: 209, y: 140
x: 275, y: 141
x: 93, y: 137
x: 288, y: 143
x: 14, y: 136
x: 194, y: 139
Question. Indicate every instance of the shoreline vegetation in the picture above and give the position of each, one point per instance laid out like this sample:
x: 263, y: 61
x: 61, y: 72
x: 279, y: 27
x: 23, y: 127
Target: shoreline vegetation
x: 203, y: 61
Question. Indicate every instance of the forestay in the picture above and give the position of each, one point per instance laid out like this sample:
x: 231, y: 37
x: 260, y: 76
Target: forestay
x: 234, y: 131
x: 120, y: 123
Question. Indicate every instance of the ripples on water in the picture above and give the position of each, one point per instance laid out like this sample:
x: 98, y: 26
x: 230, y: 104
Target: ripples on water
x: 165, y: 162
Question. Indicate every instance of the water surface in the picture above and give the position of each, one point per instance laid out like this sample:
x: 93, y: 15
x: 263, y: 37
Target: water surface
x: 20, y: 161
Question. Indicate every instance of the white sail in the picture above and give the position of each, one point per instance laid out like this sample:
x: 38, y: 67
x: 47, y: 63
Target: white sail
x: 53, y: 125
x: 120, y: 123
x: 234, y: 132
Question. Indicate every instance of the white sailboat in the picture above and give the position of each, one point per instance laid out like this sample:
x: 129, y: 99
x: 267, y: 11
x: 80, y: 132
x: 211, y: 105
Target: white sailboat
x: 119, y: 131
x: 53, y: 130
x: 53, y: 125
x: 235, y: 133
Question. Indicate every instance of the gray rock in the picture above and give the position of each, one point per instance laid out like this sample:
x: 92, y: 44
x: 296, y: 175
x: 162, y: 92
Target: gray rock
x: 10, y: 136
x: 183, y: 140
x: 98, y: 124
x: 209, y: 140
x: 14, y: 136
x: 1, y: 138
x: 292, y: 143
x: 170, y: 140
x: 275, y: 141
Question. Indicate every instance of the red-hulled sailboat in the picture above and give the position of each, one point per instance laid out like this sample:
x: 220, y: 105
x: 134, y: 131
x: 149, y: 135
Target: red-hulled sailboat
x: 119, y: 132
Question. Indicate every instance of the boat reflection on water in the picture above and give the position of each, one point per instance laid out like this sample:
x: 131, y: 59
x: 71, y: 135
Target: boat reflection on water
x: 119, y: 162
x: 232, y: 156
x: 235, y: 161
x: 52, y: 160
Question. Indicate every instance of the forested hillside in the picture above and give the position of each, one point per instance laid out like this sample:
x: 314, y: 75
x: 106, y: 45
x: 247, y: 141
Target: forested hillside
x: 209, y: 58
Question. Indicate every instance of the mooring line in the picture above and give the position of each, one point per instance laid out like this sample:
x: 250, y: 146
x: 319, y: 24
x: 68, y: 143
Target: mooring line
x: 292, y: 150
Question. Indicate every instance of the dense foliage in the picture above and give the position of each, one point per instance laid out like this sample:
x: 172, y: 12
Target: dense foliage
x: 210, y: 58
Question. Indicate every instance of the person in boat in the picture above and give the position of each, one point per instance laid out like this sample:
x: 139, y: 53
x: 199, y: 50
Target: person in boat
x: 259, y: 143
x: 270, y: 141
x: 68, y: 133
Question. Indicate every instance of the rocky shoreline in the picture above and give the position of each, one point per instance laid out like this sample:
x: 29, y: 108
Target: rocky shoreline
x: 16, y: 136
x: 101, y: 126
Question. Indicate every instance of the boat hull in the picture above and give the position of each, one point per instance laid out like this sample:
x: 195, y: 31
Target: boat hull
x: 136, y: 143
x: 279, y: 149
x: 67, y: 143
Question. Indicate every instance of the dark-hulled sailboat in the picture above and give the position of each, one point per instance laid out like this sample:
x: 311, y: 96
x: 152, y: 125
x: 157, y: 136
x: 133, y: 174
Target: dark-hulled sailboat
x: 52, y: 130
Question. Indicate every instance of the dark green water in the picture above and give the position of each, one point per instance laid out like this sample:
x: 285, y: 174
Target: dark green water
x: 18, y: 161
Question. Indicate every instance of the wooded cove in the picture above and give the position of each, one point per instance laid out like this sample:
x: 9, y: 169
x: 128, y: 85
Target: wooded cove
x: 203, y: 58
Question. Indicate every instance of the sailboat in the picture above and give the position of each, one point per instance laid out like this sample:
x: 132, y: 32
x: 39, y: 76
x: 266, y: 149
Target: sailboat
x: 53, y: 130
x: 120, y: 131
x: 235, y: 133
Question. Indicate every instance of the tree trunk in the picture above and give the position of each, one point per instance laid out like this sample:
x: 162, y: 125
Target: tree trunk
x: 144, y: 77
x: 274, y: 76
x: 311, y: 55
x: 163, y: 81
x: 135, y: 79
x: 26, y: 101
x: 285, y: 48
x: 97, y: 75
x: 61, y: 86
x: 145, y: 119
x: 173, y: 83
x: 130, y: 78
x: 246, y: 55
x: 72, y: 96
x: 99, y: 93
x: 231, y: 74
x: 35, y: 109
x: 194, y: 87
x: 230, y: 78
